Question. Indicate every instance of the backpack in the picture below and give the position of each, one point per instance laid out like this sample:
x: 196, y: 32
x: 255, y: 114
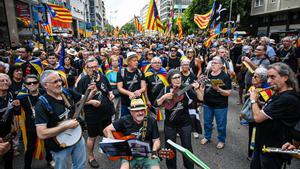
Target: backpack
x: 46, y: 103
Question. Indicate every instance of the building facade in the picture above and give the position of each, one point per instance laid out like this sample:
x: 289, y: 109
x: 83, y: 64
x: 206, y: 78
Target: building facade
x: 178, y: 6
x: 276, y: 16
x: 97, y: 14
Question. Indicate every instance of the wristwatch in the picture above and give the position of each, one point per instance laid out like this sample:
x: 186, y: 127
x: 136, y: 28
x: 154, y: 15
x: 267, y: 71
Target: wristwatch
x: 252, y: 101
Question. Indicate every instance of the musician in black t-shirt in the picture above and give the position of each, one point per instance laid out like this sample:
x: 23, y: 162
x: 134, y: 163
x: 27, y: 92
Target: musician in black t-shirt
x: 51, y: 109
x: 7, y: 110
x: 276, y: 118
x: 130, y: 82
x: 177, y: 118
x: 97, y: 115
x: 133, y: 125
x: 173, y: 60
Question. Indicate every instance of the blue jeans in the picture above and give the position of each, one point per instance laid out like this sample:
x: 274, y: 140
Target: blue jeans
x: 78, y: 155
x: 124, y: 110
x: 221, y: 120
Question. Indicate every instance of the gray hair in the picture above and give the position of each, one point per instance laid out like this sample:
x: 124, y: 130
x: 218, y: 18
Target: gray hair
x: 264, y: 38
x: 284, y: 70
x: 5, y: 75
x: 91, y: 59
x: 262, y: 73
x: 5, y: 65
x: 287, y: 38
x: 155, y: 58
x: 45, y: 76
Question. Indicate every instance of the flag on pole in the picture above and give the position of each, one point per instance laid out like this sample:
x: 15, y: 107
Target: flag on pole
x: 167, y: 28
x: 61, y: 17
x: 202, y: 20
x: 138, y: 25
x: 207, y: 43
x: 153, y: 20
x: 47, y: 27
x: 179, y: 24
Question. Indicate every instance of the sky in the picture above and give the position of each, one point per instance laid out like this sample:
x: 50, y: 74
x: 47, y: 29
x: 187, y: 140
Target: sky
x: 119, y: 12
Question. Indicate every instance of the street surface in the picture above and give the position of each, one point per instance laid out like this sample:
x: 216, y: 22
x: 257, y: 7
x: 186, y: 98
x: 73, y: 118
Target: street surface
x: 233, y: 156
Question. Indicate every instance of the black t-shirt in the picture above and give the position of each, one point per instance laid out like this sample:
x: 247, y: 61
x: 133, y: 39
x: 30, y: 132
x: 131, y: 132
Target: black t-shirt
x: 94, y: 114
x: 213, y: 98
x: 15, y: 87
x: 173, y: 63
x: 288, y: 57
x: 128, y: 126
x: 283, y: 112
x: 6, y: 114
x: 179, y: 115
x: 129, y: 78
x: 188, y: 80
x: 27, y: 104
x: 59, y: 113
x: 71, y: 75
x: 154, y: 86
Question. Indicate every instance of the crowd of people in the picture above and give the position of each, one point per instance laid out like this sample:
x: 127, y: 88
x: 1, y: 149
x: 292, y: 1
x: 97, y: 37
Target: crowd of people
x: 130, y: 84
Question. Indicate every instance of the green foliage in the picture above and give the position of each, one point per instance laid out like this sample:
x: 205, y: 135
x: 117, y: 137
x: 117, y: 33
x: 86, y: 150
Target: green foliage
x: 109, y: 28
x: 241, y: 7
x: 128, y: 28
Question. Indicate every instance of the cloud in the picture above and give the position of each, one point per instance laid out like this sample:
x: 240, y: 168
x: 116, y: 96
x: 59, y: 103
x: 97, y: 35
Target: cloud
x: 126, y: 9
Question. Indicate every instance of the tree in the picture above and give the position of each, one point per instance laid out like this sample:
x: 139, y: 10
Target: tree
x: 128, y: 28
x: 109, y: 28
x: 241, y: 7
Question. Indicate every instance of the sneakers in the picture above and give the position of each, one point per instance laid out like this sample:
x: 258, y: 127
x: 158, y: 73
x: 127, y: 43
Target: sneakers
x: 93, y: 163
x: 196, y: 135
x: 220, y: 145
x: 204, y: 141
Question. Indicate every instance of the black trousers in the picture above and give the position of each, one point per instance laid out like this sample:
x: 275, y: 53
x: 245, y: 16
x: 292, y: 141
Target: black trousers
x: 31, y: 141
x: 266, y: 160
x: 185, y: 137
x: 8, y: 158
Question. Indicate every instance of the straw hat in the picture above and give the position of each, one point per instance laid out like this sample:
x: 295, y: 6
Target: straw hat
x: 137, y: 104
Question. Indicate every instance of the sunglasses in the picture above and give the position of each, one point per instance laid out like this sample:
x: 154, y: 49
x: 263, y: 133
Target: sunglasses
x: 31, y: 83
x: 176, y: 77
x: 173, y: 50
x: 155, y: 62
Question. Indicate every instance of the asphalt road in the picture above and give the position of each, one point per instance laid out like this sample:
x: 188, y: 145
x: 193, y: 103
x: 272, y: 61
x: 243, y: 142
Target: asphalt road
x: 233, y: 156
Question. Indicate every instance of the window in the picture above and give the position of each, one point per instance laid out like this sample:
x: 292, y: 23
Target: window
x: 258, y: 3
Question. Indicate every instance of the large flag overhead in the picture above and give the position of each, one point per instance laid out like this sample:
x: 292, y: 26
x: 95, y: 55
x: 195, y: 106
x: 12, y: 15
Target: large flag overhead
x: 203, y: 20
x: 153, y: 20
x: 61, y: 17
x: 138, y: 25
x: 179, y: 24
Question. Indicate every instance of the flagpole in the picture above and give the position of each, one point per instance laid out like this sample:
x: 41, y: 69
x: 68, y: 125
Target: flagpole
x: 32, y: 23
x: 229, y: 22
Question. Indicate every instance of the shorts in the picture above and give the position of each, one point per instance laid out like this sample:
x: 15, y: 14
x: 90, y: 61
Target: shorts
x: 141, y: 162
x: 95, y: 129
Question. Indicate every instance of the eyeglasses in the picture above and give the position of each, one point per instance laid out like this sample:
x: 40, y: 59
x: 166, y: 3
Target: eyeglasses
x: 56, y: 81
x: 31, y: 83
x: 150, y: 53
x: 173, y: 50
x: 272, y: 76
x: 215, y: 63
x: 92, y: 67
x: 4, y: 80
x: 176, y: 77
x: 155, y: 62
x: 255, y: 76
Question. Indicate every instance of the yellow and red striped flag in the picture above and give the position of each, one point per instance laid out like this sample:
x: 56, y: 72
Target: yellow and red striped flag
x: 153, y: 21
x: 138, y: 25
x: 179, y: 24
x: 202, y: 20
x: 207, y: 43
x: 167, y: 28
x: 26, y: 21
x: 47, y: 27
